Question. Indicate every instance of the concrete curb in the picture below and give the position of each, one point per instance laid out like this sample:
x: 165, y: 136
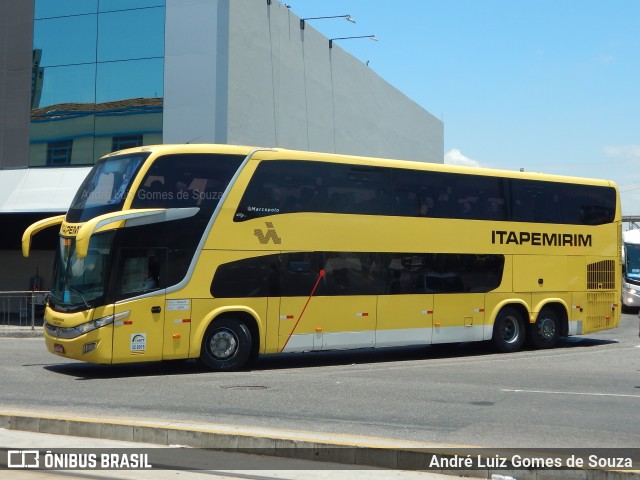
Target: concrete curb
x: 11, y: 331
x: 334, y: 448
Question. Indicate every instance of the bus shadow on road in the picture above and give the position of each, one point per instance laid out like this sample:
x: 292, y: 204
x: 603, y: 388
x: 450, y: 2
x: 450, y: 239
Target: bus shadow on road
x: 582, y: 342
x: 371, y: 356
x: 411, y: 353
x: 88, y: 371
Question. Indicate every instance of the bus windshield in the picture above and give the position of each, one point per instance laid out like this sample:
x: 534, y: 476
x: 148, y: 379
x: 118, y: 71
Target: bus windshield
x: 632, y: 259
x: 105, y: 188
x: 80, y: 282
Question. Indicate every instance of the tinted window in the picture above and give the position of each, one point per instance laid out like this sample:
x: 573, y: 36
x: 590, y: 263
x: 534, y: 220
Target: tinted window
x: 538, y: 202
x: 110, y: 5
x: 448, y: 195
x: 47, y: 8
x: 280, y: 186
x: 251, y: 277
x: 359, y: 273
x: 407, y: 273
x: 143, y: 270
x: 161, y: 253
x: 156, y: 255
x: 478, y: 197
x: 98, y: 70
x: 188, y: 180
x: 66, y: 40
x: 591, y: 205
x: 549, y: 202
x: 421, y: 194
x: 348, y: 273
x: 469, y: 273
x: 106, y: 187
x: 121, y: 38
x: 298, y: 274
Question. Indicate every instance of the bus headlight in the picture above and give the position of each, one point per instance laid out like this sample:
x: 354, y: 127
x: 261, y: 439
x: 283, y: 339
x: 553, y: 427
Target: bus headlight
x: 73, y: 332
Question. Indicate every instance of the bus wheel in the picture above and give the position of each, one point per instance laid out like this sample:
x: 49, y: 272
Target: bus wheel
x: 508, y: 330
x: 546, y: 331
x: 226, y: 345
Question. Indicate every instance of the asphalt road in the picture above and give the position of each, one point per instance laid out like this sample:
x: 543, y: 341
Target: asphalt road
x: 585, y: 393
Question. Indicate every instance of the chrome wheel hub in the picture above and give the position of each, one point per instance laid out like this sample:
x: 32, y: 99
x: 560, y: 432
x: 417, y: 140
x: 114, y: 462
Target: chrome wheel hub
x: 223, y: 344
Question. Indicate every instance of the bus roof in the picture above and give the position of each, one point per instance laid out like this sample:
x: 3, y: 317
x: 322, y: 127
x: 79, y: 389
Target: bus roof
x: 277, y: 153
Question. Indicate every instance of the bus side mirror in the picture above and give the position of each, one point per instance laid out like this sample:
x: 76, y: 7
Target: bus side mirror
x: 35, y: 228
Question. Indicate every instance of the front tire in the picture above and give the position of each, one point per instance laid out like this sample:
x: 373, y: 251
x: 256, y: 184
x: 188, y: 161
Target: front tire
x: 546, y: 331
x: 508, y: 330
x: 226, y: 345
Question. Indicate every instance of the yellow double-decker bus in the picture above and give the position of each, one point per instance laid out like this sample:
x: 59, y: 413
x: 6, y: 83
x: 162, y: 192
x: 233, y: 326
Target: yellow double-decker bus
x: 223, y: 253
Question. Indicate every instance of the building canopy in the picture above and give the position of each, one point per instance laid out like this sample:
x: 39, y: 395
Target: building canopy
x: 39, y: 189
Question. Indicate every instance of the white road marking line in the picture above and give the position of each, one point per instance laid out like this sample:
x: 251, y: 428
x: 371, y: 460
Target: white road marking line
x: 571, y: 393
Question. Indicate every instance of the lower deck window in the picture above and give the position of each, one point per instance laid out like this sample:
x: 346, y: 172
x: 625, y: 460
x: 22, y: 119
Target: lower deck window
x: 357, y: 273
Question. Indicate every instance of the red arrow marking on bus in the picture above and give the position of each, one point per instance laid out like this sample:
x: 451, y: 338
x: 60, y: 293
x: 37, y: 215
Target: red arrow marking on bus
x: 320, y: 275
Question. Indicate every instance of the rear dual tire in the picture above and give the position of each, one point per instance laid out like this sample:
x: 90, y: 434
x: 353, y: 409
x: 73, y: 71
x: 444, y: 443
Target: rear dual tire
x: 510, y: 330
x: 546, y: 331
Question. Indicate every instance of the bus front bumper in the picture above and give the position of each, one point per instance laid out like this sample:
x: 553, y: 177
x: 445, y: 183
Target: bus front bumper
x: 92, y: 347
x: 631, y: 297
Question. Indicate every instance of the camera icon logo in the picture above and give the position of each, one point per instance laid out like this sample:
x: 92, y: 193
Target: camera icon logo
x: 23, y: 459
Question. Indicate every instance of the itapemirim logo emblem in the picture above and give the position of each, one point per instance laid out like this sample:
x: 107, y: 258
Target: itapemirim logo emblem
x: 270, y: 235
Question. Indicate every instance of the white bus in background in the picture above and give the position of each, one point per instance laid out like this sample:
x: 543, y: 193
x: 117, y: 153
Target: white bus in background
x: 631, y: 269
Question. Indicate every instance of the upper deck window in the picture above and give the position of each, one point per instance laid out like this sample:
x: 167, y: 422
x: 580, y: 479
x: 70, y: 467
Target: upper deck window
x: 285, y: 186
x: 187, y: 180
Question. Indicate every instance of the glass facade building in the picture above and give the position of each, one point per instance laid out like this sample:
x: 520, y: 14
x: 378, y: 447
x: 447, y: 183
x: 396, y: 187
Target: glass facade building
x: 97, y: 78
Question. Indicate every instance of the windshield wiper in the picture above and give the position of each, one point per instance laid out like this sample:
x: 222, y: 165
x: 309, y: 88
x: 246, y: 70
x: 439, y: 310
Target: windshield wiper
x: 53, y: 296
x: 81, y: 296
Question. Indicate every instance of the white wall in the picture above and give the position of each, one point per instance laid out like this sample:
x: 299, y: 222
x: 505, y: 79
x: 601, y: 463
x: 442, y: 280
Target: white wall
x: 243, y: 72
x: 196, y: 61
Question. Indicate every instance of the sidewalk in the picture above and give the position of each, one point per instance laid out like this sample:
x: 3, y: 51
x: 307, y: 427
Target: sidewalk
x: 223, y: 465
x: 23, y: 331
x: 343, y: 453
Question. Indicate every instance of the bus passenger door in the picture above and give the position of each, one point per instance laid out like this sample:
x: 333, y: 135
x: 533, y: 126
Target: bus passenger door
x: 138, y: 333
x: 138, y: 329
